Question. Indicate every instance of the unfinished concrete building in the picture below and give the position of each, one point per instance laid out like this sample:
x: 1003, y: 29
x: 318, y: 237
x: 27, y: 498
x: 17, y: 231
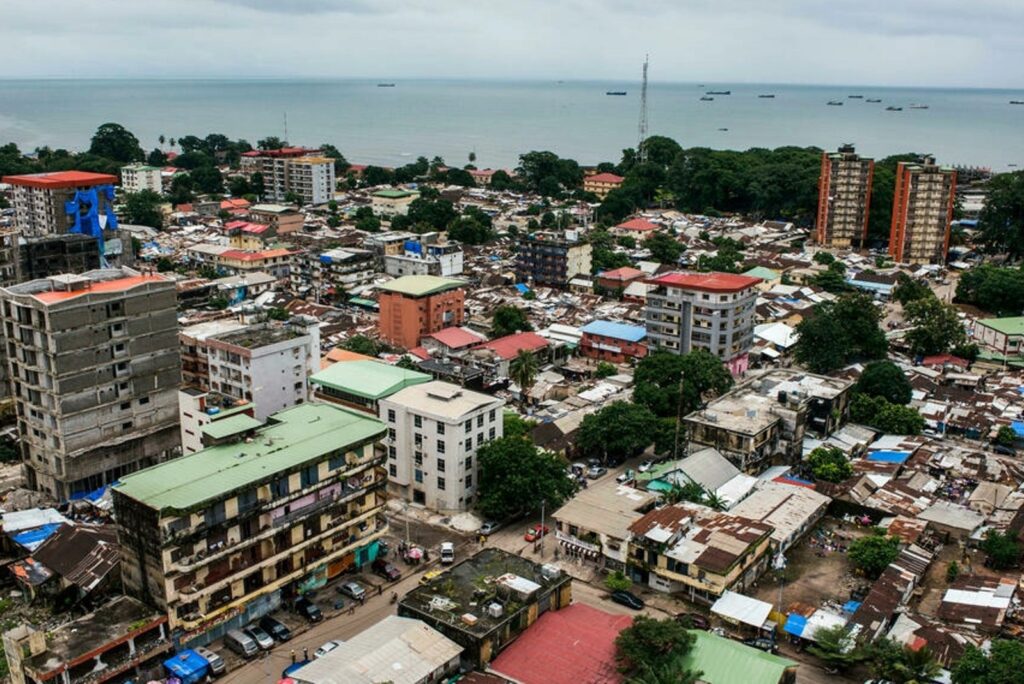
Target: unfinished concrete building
x: 94, y: 371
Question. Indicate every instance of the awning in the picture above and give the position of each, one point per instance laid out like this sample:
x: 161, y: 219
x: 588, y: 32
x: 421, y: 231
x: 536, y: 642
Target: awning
x: 795, y: 624
x: 739, y: 608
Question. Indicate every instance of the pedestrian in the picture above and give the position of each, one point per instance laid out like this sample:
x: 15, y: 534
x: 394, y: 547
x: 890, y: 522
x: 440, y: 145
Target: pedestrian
x: 362, y: 599
x: 380, y: 589
x: 293, y: 656
x: 351, y: 610
x: 305, y: 653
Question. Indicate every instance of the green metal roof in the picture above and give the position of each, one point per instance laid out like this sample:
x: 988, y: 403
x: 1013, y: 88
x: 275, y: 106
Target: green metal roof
x: 724, y: 661
x: 762, y: 273
x: 420, y: 285
x: 292, y: 438
x: 368, y: 379
x: 225, y: 427
x: 1013, y: 325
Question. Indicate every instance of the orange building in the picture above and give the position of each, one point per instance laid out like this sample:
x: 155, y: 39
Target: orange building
x: 414, y: 306
x: 922, y: 211
x: 844, y: 198
x: 602, y: 183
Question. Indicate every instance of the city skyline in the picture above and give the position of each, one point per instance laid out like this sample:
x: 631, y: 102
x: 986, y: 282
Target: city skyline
x: 732, y: 41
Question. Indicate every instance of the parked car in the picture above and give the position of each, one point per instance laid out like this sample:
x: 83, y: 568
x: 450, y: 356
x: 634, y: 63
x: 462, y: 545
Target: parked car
x: 490, y: 527
x: 1004, y: 450
x: 275, y: 628
x: 763, y: 644
x: 386, y: 570
x: 694, y: 620
x: 596, y: 471
x: 215, y: 661
x: 308, y: 609
x: 241, y: 643
x: 626, y: 476
x: 326, y: 648
x: 536, y: 532
x: 262, y: 639
x: 447, y: 553
x: 645, y: 466
x: 352, y: 590
x: 430, y: 574
x: 627, y: 599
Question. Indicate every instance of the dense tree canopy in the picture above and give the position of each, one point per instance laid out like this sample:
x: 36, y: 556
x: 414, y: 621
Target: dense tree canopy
x: 882, y: 415
x: 143, y: 209
x: 545, y: 173
x: 509, y: 319
x: 652, y: 643
x: 999, y: 291
x: 1002, y: 550
x: 1003, y: 664
x: 936, y: 327
x: 113, y: 141
x: 616, y: 432
x: 837, y: 647
x: 884, y: 379
x: 516, y: 477
x: 1002, y: 219
x: 657, y: 379
x: 893, y: 662
x: 470, y: 231
x: 664, y: 247
x: 830, y: 464
x: 873, y: 553
x: 910, y: 289
x: 840, y: 332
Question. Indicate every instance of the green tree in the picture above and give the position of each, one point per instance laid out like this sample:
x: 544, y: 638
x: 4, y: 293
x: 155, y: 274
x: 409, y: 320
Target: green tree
x: 882, y: 415
x: 360, y: 344
x: 873, y: 554
x: 516, y: 477
x: 1002, y: 219
x: 837, y: 647
x: 824, y: 258
x: 143, y: 209
x: 545, y: 173
x: 515, y: 426
x: 840, y: 332
x: 882, y: 188
x: 830, y: 464
x: 952, y: 571
x: 884, y: 379
x: 664, y: 248
x: 1002, y: 551
x: 617, y: 431
x: 509, y: 319
x: 1003, y: 664
x: 181, y: 190
x: 832, y: 279
x: 258, y: 184
x: 208, y: 179
x: 651, y: 643
x: 674, y: 672
x: 617, y: 581
x: 605, y: 370
x: 470, y: 231
x: 657, y: 376
x: 909, y: 290
x: 937, y: 328
x: 661, y: 150
x: 278, y: 313
x: 271, y: 142
x: 368, y: 224
x: 376, y: 175
x: 1006, y: 436
x: 114, y: 141
x: 501, y: 181
x: 239, y: 186
x: 437, y: 213
x: 341, y: 164
x: 156, y: 158
x: 688, y: 491
x: 407, y: 363
x: 523, y: 371
x: 999, y: 291
x: 900, y: 664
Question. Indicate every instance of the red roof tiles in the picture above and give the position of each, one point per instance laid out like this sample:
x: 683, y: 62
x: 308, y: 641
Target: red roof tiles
x: 710, y: 282
x: 456, y: 338
x: 509, y: 346
x: 640, y: 225
x: 61, y: 179
x: 604, y: 178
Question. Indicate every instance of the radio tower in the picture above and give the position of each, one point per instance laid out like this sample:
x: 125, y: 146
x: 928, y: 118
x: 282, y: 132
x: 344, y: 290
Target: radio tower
x: 640, y: 151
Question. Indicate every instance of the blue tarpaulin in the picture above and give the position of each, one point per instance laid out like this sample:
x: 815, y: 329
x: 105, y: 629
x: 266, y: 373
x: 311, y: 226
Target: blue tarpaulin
x: 31, y: 539
x: 94, y: 495
x: 188, y: 666
x: 523, y: 289
x: 795, y: 624
x: 1018, y: 427
x: 851, y: 606
x: 889, y: 456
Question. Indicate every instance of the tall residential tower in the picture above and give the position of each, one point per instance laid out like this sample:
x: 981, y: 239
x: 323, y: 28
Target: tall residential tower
x: 922, y: 211
x: 844, y: 197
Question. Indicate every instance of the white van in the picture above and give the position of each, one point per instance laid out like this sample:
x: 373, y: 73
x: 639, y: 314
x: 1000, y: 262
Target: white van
x: 447, y: 553
x: 241, y: 643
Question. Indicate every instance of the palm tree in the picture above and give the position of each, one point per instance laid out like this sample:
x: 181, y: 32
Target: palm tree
x: 916, y: 667
x: 472, y: 157
x: 162, y: 139
x: 523, y: 371
x: 713, y: 500
x: 172, y: 142
x: 673, y: 672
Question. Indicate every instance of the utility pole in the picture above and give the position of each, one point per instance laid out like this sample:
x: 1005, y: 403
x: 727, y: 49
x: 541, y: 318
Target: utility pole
x: 641, y: 153
x: 679, y: 419
x: 542, y: 535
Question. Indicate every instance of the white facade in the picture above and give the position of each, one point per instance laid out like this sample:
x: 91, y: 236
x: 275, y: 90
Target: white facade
x: 434, y: 431
x: 437, y: 260
x: 197, y: 409
x: 139, y: 177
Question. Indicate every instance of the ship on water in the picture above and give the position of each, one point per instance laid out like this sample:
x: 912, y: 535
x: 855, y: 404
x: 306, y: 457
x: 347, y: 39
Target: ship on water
x: 855, y: 97
x: 919, y: 106
x: 870, y: 100
x: 894, y: 109
x: 835, y: 103
x: 707, y: 99
x: 385, y: 85
x: 616, y: 92
x: 719, y: 92
x: 768, y: 96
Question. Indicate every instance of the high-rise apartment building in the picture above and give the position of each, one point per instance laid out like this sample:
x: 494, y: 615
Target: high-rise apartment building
x: 922, y: 211
x: 710, y: 311
x: 551, y: 259
x: 844, y: 198
x: 139, y: 177
x: 414, y: 306
x: 434, y: 431
x: 63, y: 202
x: 223, y: 536
x: 298, y: 170
x: 94, y: 368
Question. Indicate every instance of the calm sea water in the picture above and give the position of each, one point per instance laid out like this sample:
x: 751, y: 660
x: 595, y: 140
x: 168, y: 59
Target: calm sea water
x: 500, y: 120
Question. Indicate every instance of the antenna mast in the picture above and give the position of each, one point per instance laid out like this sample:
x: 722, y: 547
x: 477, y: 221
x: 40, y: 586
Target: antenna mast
x: 286, y: 128
x: 640, y: 151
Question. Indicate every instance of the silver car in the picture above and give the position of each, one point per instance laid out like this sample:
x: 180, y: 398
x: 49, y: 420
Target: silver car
x: 353, y: 590
x: 326, y: 648
x: 262, y: 639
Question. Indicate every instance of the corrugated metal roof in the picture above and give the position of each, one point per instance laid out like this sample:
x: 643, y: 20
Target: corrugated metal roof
x: 618, y: 331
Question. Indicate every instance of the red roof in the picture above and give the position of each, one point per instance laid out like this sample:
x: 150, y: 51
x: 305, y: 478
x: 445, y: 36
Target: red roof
x: 420, y: 353
x: 573, y: 645
x: 711, y: 282
x: 604, y: 178
x: 115, y: 285
x: 456, y: 338
x: 624, y: 273
x: 507, y: 347
x: 638, y: 224
x: 236, y: 203
x: 61, y: 179
x: 944, y: 359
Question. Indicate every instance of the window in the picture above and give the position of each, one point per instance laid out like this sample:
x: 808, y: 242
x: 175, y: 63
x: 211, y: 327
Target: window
x: 469, y: 425
x: 393, y: 470
x: 417, y: 421
x: 469, y: 481
x: 440, y: 483
x: 247, y: 500
x: 480, y: 420
x: 440, y: 428
x: 336, y: 462
x: 490, y: 434
x: 440, y: 465
x: 391, y: 415
x: 125, y: 405
x: 418, y: 438
x: 143, y: 401
x: 418, y: 458
x: 418, y: 474
x: 469, y: 462
x: 392, y: 452
x: 391, y: 434
x: 469, y: 444
x: 493, y: 415
x: 215, y: 514
x: 310, y: 476
x: 440, y: 447
x: 280, y: 487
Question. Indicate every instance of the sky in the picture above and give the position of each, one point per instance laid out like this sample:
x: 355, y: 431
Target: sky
x: 872, y: 42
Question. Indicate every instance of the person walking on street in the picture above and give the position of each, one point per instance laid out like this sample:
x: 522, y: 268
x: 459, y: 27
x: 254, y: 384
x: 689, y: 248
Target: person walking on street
x: 293, y: 656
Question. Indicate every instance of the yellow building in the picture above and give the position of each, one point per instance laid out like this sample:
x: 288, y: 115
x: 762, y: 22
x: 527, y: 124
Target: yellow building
x: 602, y: 183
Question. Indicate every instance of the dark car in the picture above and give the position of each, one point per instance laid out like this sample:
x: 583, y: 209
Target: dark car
x: 386, y: 570
x: 763, y: 644
x: 308, y: 610
x: 694, y: 621
x: 627, y: 599
x: 1004, y: 450
x: 275, y: 628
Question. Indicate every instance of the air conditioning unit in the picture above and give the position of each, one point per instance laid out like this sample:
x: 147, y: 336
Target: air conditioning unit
x: 495, y: 610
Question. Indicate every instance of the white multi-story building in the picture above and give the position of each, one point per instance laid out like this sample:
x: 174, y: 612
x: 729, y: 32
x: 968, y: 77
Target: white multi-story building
x: 139, y: 177
x: 292, y: 170
x: 418, y: 259
x: 434, y: 431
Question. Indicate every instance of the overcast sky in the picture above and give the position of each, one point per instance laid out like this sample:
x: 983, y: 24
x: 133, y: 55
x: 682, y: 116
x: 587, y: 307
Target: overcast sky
x: 883, y: 42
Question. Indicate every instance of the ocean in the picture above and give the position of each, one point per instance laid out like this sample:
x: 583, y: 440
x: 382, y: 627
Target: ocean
x: 500, y: 120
